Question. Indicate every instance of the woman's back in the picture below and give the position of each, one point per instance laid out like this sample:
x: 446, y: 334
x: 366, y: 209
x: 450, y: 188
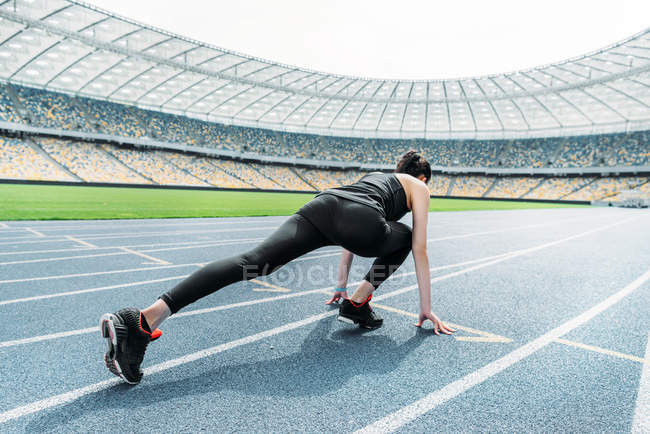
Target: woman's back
x: 381, y: 191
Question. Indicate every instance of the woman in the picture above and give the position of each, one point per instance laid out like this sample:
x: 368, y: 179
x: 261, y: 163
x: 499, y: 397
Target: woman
x: 362, y: 218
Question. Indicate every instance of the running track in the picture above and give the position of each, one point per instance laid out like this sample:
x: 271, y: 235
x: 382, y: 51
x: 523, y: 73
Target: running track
x: 551, y: 306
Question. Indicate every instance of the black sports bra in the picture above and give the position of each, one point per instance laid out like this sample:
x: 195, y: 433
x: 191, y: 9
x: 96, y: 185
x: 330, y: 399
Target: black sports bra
x: 382, y: 191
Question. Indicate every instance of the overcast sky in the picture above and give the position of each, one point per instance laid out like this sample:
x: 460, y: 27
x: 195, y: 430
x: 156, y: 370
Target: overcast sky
x: 401, y: 38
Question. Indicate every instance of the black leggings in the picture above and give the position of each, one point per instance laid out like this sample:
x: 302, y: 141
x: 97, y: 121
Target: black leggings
x: 325, y: 220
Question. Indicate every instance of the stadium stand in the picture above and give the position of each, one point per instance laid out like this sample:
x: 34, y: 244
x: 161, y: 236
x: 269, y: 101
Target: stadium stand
x: 304, y: 146
x: 247, y: 174
x: 347, y: 149
x: 644, y: 188
x: 172, y: 128
x: 555, y: 188
x: 388, y: 151
x: 153, y: 165
x: 19, y: 160
x: 7, y: 110
x: 479, y: 153
x: 527, y: 153
x: 440, y: 152
x: 583, y: 151
x: 111, y: 118
x: 89, y: 162
x: 53, y: 110
x: 603, y: 188
x: 323, y: 179
x: 512, y: 187
x: 471, y: 186
x: 214, y: 136
x: 439, y: 185
x: 634, y: 150
x: 258, y: 141
x: 113, y: 163
x: 206, y: 169
x: 282, y: 175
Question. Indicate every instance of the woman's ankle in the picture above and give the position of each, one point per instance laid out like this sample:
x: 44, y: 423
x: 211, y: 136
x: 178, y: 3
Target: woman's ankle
x: 362, y: 293
x: 156, y: 314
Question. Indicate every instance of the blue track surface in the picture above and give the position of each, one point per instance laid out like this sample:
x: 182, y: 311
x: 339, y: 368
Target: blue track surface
x: 273, y: 358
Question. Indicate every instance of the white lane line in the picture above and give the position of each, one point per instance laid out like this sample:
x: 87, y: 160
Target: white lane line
x: 126, y: 251
x: 510, y: 229
x: 189, y: 247
x: 202, y: 244
x: 63, y: 398
x: 60, y: 238
x: 63, y: 258
x: 482, y: 336
x: 82, y: 242
x: 185, y: 244
x: 77, y: 393
x: 41, y: 241
x: 145, y: 256
x: 30, y: 252
x: 157, y: 261
x: 601, y: 350
x: 641, y: 423
x: 3, y: 226
x: 497, y: 258
x: 37, y: 233
x: 148, y: 247
x: 101, y: 236
x: 208, y: 244
x: 97, y: 273
x: 64, y: 334
x: 144, y: 282
x: 87, y: 291
x: 398, y: 419
x: 147, y: 223
x: 56, y: 400
x: 47, y: 337
x: 268, y: 287
x: 175, y: 233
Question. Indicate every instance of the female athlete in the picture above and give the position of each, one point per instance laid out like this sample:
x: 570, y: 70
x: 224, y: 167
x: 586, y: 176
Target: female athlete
x: 362, y: 218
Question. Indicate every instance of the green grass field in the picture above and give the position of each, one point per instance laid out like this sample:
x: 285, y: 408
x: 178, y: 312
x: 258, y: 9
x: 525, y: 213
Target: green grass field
x: 56, y: 202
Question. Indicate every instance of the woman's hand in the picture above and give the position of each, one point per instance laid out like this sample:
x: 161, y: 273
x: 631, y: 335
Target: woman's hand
x: 338, y: 295
x: 437, y: 324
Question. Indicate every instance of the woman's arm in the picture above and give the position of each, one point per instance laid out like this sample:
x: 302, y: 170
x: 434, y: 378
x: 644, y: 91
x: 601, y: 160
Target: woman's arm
x: 342, y: 277
x: 420, y: 210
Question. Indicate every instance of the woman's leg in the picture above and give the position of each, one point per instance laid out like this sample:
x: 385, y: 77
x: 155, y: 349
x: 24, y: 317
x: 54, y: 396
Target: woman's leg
x: 129, y: 330
x: 392, y: 251
x: 294, y: 238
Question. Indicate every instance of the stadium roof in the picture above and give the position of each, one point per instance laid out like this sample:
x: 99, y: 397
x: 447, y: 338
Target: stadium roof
x: 69, y: 46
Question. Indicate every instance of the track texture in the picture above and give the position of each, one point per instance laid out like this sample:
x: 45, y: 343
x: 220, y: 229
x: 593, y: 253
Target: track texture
x: 551, y: 306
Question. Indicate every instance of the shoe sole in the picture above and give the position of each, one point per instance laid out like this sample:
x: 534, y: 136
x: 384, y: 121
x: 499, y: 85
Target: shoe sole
x: 347, y: 320
x: 107, y: 328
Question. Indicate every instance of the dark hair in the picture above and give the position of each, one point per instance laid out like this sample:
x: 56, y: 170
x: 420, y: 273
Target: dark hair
x: 413, y: 164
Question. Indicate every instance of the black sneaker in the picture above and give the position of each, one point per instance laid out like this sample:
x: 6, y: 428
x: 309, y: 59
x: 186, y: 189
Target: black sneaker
x: 127, y: 341
x: 361, y: 314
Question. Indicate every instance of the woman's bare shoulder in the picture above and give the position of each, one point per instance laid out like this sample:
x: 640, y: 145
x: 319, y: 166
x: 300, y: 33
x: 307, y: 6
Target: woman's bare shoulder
x: 411, y: 183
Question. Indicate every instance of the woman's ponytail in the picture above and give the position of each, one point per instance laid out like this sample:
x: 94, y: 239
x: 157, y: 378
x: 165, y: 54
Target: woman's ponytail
x: 413, y: 164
